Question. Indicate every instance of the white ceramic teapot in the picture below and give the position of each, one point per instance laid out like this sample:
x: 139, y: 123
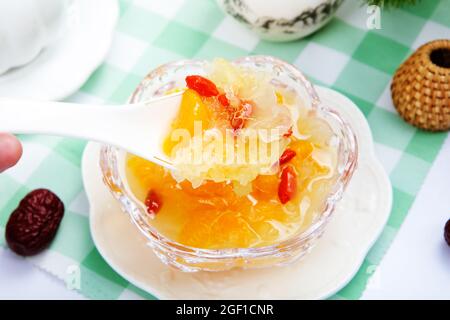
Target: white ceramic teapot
x: 26, y: 27
x: 282, y: 20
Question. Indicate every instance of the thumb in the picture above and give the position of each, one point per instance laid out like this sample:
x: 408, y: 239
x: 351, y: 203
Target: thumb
x: 10, y: 151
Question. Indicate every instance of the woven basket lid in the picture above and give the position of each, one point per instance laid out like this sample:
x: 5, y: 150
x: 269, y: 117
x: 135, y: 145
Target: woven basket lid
x: 421, y: 87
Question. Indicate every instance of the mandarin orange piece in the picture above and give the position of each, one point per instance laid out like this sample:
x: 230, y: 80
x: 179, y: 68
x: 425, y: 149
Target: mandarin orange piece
x: 196, y: 234
x: 230, y: 230
x: 265, y: 187
x: 192, y: 110
x: 302, y: 148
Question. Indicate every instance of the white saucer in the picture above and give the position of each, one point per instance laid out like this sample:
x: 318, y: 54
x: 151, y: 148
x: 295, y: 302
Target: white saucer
x: 357, y: 223
x: 62, y: 68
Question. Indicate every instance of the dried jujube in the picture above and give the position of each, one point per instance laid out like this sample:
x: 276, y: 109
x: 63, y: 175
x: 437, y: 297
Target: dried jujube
x: 34, y: 223
x: 447, y: 232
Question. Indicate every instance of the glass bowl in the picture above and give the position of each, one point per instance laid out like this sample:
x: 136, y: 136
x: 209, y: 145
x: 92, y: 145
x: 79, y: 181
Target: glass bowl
x: 189, y: 259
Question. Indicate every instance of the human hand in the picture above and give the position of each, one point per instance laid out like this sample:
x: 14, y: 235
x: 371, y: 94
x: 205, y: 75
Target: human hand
x: 10, y: 151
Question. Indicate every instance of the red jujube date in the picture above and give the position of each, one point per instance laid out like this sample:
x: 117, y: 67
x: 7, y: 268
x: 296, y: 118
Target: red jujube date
x: 34, y: 223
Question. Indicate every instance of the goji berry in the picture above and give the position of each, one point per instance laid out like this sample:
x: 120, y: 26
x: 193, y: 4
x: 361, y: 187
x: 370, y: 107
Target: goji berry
x: 287, y: 155
x: 223, y: 100
x: 288, y: 185
x: 153, y: 202
x: 203, y: 86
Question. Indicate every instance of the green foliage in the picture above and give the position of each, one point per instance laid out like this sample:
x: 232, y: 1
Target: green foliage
x: 391, y: 3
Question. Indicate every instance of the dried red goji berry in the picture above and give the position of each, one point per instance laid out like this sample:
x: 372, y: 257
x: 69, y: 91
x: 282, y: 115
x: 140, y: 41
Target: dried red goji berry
x: 34, y: 223
x: 203, y: 86
x: 288, y: 185
x: 287, y: 155
x: 153, y: 202
x: 223, y: 100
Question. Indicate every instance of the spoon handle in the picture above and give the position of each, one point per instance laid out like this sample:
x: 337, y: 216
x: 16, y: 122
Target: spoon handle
x: 90, y: 122
x: 136, y: 128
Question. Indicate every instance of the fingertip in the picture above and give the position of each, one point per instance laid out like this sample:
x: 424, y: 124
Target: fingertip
x: 10, y: 151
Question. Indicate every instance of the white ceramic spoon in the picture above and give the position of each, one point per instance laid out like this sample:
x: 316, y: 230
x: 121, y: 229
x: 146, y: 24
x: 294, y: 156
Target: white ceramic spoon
x: 137, y: 128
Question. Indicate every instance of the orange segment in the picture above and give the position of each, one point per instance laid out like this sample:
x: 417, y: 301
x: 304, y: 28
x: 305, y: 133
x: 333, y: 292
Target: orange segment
x: 197, y: 232
x: 302, y: 148
x: 192, y: 109
x: 145, y: 173
x: 265, y: 187
x: 233, y: 231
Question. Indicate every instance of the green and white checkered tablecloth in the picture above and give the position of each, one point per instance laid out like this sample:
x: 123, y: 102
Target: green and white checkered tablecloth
x: 344, y: 56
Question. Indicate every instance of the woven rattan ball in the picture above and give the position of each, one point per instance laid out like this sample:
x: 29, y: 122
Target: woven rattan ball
x: 421, y: 87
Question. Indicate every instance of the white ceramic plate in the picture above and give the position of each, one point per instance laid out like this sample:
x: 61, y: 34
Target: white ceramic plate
x: 62, y: 68
x: 356, y: 224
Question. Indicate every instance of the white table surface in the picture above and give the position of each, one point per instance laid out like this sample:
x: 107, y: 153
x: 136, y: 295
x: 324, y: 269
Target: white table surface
x: 417, y: 265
